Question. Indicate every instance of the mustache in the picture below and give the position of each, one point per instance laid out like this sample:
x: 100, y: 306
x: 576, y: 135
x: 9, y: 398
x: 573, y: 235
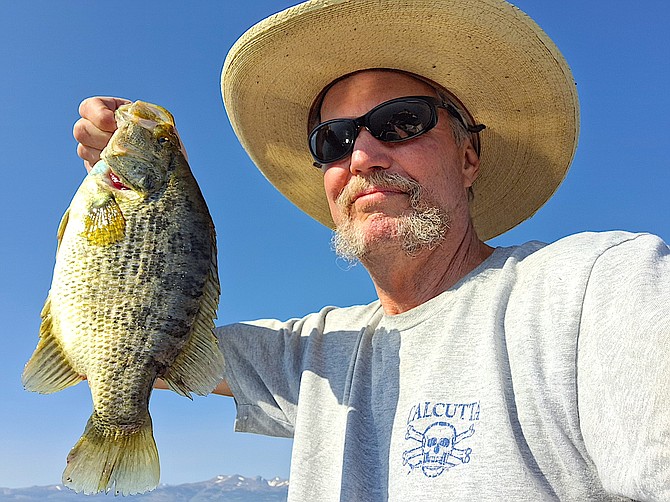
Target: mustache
x: 378, y: 179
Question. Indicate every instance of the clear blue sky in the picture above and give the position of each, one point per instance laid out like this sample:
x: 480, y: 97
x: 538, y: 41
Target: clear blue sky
x: 274, y: 261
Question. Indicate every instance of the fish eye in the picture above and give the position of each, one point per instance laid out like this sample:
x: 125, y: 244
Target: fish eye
x: 163, y: 139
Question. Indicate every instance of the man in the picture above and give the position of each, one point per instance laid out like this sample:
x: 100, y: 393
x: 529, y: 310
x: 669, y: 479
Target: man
x: 537, y: 372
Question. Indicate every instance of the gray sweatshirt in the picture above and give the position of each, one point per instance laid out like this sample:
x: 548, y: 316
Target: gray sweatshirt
x: 544, y: 374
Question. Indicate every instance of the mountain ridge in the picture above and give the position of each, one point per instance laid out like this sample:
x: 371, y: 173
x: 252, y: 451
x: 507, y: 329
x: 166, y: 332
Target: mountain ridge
x: 223, y: 488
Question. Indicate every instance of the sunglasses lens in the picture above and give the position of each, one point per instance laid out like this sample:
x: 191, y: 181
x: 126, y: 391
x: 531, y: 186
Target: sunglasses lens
x: 401, y: 120
x: 393, y: 121
x: 332, y: 140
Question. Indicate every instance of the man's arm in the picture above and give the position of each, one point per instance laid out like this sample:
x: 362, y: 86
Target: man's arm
x: 624, y: 368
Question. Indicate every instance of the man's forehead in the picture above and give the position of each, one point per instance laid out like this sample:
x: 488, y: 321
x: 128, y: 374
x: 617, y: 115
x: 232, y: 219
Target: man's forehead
x: 377, y: 78
x: 370, y: 86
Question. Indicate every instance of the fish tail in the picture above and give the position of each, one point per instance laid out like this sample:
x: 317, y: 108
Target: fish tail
x: 104, y: 458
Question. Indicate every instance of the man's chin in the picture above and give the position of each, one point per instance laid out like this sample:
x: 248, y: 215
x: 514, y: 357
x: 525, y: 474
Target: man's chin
x: 356, y: 238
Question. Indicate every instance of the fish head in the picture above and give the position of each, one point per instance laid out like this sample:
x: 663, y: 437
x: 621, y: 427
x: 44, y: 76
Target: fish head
x: 142, y: 151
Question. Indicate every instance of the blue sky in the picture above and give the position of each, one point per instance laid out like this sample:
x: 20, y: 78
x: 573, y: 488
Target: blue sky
x: 274, y: 260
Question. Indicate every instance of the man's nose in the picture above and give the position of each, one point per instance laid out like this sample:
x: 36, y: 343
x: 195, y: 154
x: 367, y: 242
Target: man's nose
x: 368, y: 154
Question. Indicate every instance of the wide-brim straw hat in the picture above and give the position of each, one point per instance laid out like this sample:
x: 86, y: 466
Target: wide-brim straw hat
x: 496, y: 60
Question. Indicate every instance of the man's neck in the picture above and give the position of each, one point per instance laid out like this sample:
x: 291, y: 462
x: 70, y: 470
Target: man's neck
x: 405, y: 282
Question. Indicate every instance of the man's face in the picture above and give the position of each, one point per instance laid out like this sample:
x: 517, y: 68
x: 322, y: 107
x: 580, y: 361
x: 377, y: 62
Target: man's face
x: 433, y: 160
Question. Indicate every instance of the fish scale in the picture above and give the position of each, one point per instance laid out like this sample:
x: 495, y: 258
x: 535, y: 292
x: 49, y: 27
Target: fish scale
x: 133, y: 298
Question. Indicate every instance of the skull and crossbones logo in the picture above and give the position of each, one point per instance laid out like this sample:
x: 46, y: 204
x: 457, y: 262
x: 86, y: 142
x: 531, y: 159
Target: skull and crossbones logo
x: 437, y: 450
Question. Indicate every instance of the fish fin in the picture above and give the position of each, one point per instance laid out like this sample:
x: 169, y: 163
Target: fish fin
x: 48, y: 370
x: 199, y: 366
x: 104, y: 224
x: 105, y: 459
x: 61, y: 227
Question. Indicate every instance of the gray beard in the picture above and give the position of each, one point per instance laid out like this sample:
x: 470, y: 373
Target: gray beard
x: 422, y: 229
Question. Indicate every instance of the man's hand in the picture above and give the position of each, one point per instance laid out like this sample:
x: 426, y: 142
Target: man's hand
x: 95, y: 127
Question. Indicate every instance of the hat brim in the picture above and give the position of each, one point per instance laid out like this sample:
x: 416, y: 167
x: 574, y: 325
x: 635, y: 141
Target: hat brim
x: 502, y: 67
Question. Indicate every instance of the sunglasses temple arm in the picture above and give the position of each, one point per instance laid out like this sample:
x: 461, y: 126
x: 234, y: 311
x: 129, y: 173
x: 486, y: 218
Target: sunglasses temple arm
x: 453, y: 111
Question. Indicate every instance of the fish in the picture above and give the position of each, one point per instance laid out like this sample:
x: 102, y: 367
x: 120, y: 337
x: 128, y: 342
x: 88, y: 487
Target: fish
x: 133, y: 298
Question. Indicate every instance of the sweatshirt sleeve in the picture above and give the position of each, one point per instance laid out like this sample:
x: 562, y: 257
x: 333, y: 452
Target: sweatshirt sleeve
x: 263, y: 366
x: 624, y: 368
x: 267, y: 363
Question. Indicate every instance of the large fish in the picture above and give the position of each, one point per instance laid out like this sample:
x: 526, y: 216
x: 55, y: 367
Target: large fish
x: 133, y: 297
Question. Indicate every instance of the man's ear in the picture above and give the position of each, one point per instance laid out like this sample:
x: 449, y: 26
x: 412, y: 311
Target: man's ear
x: 470, y: 164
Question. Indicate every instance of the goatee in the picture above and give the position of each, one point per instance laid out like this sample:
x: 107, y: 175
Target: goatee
x: 423, y: 228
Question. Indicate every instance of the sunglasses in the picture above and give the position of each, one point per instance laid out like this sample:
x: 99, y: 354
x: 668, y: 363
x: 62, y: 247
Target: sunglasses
x: 393, y: 121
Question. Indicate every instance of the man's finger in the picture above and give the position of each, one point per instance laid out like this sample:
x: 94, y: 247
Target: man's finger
x: 100, y: 111
x: 90, y: 136
x: 90, y: 156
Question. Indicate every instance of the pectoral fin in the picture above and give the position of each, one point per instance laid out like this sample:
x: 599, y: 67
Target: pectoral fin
x: 104, y: 224
x: 48, y: 370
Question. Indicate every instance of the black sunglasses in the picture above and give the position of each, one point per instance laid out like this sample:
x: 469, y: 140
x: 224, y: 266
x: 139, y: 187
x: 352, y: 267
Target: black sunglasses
x: 393, y: 121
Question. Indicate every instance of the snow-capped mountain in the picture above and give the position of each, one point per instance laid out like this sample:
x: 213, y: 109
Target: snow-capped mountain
x: 221, y: 488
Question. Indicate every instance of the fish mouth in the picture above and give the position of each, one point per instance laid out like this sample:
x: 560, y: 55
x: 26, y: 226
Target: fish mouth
x: 106, y: 175
x: 148, y: 116
x: 116, y: 182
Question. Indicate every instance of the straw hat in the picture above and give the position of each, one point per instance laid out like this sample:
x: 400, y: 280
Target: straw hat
x: 502, y: 67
